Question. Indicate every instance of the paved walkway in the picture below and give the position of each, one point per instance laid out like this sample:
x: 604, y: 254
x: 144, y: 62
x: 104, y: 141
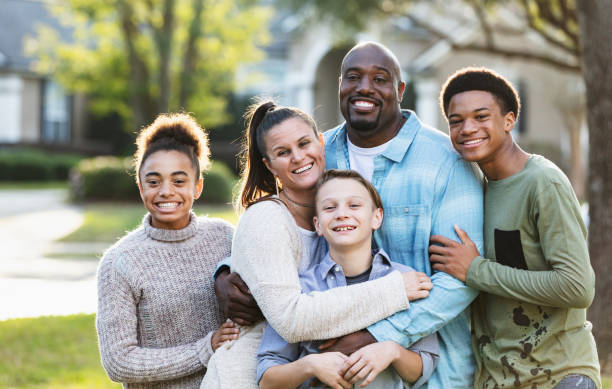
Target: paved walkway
x: 32, y: 284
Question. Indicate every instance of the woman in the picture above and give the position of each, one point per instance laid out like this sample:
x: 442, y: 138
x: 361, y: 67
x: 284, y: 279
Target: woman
x: 157, y: 311
x: 275, y: 240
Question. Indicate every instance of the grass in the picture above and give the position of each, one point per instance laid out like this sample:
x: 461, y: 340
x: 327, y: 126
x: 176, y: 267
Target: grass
x: 59, y: 352
x: 33, y: 185
x: 51, y: 352
x: 108, y: 222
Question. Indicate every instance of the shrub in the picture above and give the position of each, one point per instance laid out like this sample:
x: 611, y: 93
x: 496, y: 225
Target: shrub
x: 219, y: 182
x: 24, y: 164
x: 112, y: 178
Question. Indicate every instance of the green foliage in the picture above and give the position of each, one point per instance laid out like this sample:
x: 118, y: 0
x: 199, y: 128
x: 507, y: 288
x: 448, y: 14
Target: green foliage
x: 112, y: 178
x: 51, y: 352
x: 104, y: 178
x: 116, y: 53
x: 35, y: 165
x: 219, y: 182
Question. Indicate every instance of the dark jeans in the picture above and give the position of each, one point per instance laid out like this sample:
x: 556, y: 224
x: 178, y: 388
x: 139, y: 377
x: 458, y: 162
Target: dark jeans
x: 576, y: 381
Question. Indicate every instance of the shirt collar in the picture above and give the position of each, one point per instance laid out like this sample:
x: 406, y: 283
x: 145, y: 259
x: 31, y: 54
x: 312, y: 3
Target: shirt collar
x: 399, y: 145
x: 380, y: 263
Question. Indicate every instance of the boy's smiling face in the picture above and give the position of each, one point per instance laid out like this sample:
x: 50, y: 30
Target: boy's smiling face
x: 478, y: 129
x: 346, y: 215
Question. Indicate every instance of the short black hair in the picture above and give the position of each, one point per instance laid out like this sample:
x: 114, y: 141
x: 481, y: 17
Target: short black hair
x: 484, y: 79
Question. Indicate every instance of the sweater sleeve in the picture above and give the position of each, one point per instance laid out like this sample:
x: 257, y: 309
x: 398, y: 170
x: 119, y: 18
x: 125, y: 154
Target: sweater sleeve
x: 266, y: 253
x: 116, y: 323
x: 570, y: 282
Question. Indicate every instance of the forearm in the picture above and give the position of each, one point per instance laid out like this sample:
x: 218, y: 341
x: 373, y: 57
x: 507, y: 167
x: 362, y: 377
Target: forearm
x: 289, y: 375
x: 448, y: 298
x: 407, y: 363
x: 562, y: 287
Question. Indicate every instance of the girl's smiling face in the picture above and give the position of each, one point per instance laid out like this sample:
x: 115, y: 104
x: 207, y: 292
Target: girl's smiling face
x: 168, y: 186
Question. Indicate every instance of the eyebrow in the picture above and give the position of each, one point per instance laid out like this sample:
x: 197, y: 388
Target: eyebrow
x: 476, y: 110
x: 156, y: 174
x: 355, y: 68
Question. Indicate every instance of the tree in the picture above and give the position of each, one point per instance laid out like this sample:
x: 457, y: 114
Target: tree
x: 578, y: 35
x: 142, y: 57
x: 596, y: 28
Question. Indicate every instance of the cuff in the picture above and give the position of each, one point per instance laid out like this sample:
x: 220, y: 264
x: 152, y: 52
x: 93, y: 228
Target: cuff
x: 428, y: 368
x: 396, y: 281
x: 224, y: 264
x: 471, y: 279
x: 204, y: 347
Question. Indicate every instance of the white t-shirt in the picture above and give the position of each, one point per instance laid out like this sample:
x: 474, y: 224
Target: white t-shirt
x: 362, y: 159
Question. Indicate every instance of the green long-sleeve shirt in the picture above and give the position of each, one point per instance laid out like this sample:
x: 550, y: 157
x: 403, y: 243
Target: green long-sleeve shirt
x: 529, y: 324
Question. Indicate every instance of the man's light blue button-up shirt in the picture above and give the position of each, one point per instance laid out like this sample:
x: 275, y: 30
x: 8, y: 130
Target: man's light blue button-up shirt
x: 426, y: 189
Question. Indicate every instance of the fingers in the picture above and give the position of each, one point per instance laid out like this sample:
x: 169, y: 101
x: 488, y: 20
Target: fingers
x: 443, y: 240
x: 462, y: 235
x: 237, y: 281
x: 369, y: 378
x: 357, y: 371
x: 417, y: 294
x: 328, y: 343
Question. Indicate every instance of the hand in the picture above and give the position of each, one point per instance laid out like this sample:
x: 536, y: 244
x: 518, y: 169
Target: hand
x: 326, y: 368
x: 453, y: 257
x: 350, y: 343
x: 367, y: 362
x: 225, y: 333
x: 417, y: 285
x: 235, y: 299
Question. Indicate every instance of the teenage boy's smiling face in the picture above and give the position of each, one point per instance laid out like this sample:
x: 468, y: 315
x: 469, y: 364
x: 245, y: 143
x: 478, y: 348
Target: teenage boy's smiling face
x: 346, y: 214
x: 478, y: 129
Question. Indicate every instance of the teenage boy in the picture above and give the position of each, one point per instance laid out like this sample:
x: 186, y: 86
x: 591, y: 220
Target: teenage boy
x: 529, y: 323
x: 348, y: 210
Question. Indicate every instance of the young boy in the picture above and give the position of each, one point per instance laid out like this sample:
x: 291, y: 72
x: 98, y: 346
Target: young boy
x: 348, y: 209
x: 529, y: 323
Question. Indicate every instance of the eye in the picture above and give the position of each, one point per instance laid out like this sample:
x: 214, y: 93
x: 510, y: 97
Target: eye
x: 282, y: 153
x: 304, y: 143
x: 351, y: 77
x: 380, y: 79
x: 482, y: 117
x: 179, y: 181
x: 328, y: 207
x: 453, y: 122
x: 152, y: 182
x: 355, y: 205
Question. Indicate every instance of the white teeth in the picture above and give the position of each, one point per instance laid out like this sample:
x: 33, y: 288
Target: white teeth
x: 167, y: 205
x: 472, y: 142
x: 303, y: 169
x: 364, y: 104
x: 346, y: 228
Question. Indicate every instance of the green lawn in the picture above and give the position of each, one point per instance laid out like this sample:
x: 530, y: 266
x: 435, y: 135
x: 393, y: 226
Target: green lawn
x: 51, y: 352
x: 109, y: 221
x: 33, y: 185
x: 58, y: 352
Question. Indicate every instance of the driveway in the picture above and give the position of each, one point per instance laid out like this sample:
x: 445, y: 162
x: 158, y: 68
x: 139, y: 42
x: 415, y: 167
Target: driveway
x: 32, y: 284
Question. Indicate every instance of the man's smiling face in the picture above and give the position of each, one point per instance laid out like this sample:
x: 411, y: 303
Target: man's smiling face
x: 370, y: 89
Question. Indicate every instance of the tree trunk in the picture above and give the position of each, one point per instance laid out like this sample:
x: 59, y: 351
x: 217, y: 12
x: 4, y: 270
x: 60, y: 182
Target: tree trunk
x: 191, y: 53
x: 595, y: 18
x: 164, y: 46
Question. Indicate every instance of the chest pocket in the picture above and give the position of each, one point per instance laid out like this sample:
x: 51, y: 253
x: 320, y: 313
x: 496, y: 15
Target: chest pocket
x: 509, y: 250
x: 406, y: 227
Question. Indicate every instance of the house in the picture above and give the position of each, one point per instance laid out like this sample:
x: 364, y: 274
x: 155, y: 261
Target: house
x: 35, y: 110
x: 303, y: 66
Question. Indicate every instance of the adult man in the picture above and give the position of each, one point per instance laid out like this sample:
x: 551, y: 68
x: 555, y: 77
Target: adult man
x: 426, y: 189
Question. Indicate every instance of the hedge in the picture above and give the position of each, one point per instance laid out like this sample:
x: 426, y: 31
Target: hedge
x: 35, y: 165
x: 112, y: 178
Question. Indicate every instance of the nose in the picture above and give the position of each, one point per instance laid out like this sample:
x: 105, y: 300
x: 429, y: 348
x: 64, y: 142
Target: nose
x: 297, y: 154
x: 468, y: 127
x: 165, y: 189
x: 341, y: 212
x: 365, y: 86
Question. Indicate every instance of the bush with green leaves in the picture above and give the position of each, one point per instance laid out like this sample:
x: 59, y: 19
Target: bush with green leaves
x: 112, y: 178
x: 25, y: 164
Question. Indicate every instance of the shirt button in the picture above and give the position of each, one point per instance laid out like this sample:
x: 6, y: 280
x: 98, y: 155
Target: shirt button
x: 337, y: 268
x: 386, y: 267
x: 331, y: 278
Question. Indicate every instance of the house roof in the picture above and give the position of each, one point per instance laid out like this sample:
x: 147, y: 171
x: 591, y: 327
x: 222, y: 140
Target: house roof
x: 18, y: 19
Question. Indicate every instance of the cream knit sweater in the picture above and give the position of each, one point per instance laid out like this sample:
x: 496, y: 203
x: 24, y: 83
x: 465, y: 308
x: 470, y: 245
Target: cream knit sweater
x: 266, y: 252
x: 157, y: 307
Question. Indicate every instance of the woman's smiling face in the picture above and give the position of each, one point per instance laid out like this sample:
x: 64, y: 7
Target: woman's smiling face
x: 168, y: 186
x: 294, y: 154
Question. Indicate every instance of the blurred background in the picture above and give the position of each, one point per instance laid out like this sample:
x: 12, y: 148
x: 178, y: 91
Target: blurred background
x: 78, y: 78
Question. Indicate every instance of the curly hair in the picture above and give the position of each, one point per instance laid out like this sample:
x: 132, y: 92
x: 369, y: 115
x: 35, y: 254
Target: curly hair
x: 174, y: 131
x: 484, y: 79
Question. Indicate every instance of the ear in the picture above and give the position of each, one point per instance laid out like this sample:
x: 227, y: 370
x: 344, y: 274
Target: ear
x: 266, y: 162
x: 198, y: 188
x: 318, y: 228
x: 140, y: 190
x: 401, y: 87
x: 509, y: 121
x: 377, y: 219
x: 322, y: 140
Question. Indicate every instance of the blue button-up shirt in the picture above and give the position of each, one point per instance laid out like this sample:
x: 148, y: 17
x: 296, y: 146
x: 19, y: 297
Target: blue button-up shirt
x: 426, y: 189
x: 324, y: 275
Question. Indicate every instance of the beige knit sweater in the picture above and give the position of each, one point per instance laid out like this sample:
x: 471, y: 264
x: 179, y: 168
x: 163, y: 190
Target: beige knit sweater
x: 156, y: 303
x: 266, y: 252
